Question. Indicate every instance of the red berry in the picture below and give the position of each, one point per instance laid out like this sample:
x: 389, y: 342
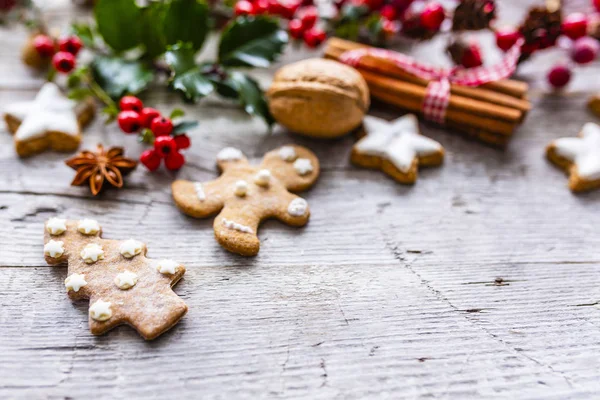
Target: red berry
x: 174, y: 161
x: 575, y: 25
x: 472, y: 56
x: 506, y: 38
x: 388, y: 12
x: 295, y: 28
x: 559, y: 76
x: 432, y: 16
x: 129, y: 121
x: 261, y: 6
x: 274, y: 7
x: 63, y: 62
x: 288, y: 8
x: 165, y: 145
x: 161, y: 126
x: 597, y: 4
x: 308, y: 16
x: 147, y: 115
x: 131, y: 103
x: 71, y: 44
x: 314, y: 37
x: 182, y: 141
x: 584, y: 50
x: 44, y: 45
x: 150, y: 159
x: 244, y: 7
x: 373, y: 4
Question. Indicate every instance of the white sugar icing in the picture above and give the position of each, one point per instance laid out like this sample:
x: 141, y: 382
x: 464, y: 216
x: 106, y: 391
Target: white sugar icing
x: 92, y: 253
x: 75, y: 282
x: 130, y: 248
x: 50, y: 111
x: 167, y: 266
x: 54, y: 248
x: 303, y: 166
x: 236, y: 227
x: 126, y: 280
x: 287, y: 153
x: 100, y: 310
x: 56, y: 226
x: 200, y: 191
x: 297, y: 207
x: 241, y: 188
x: 263, y: 178
x: 229, y: 154
x: 584, y: 151
x: 398, y: 141
x: 88, y: 226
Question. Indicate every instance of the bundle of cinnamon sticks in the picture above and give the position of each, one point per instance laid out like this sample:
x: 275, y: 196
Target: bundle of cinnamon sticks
x: 489, y: 112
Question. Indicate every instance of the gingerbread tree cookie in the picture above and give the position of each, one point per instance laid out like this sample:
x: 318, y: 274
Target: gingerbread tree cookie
x: 579, y: 157
x: 244, y: 195
x: 396, y: 148
x: 123, y: 286
x: 51, y: 121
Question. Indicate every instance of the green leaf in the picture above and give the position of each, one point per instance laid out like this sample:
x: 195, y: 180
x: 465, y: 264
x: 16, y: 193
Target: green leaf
x: 186, y: 76
x: 146, y: 136
x: 252, y: 97
x: 85, y: 33
x: 79, y: 93
x: 251, y: 42
x: 176, y: 113
x: 118, y: 22
x: 152, y: 24
x: 186, y: 21
x: 111, y: 112
x: 118, y: 77
x: 184, y: 126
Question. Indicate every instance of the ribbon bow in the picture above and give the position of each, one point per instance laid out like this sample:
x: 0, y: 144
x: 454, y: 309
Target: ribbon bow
x: 437, y: 95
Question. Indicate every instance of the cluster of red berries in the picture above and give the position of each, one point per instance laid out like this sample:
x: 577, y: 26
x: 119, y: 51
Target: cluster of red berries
x: 135, y: 117
x: 62, y: 52
x: 302, y: 15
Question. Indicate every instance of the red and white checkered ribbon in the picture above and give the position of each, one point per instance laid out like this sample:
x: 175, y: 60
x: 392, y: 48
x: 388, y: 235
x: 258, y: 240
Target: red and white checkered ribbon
x: 437, y: 96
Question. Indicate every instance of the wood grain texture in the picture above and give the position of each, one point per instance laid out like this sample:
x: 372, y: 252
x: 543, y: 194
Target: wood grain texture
x: 481, y: 281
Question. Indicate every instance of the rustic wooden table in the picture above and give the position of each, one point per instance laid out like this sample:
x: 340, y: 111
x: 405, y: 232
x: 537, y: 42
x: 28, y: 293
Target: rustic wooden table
x: 389, y: 292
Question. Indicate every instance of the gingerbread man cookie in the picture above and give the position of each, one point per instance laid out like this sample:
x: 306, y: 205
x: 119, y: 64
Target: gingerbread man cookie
x: 579, y: 157
x: 123, y: 286
x: 396, y: 148
x: 50, y: 121
x: 244, y: 195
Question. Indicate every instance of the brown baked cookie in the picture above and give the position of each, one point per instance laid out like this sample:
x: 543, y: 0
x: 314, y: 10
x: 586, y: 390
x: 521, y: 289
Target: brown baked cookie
x: 396, y: 148
x: 124, y: 287
x: 244, y: 195
x: 579, y: 157
x: 51, y: 121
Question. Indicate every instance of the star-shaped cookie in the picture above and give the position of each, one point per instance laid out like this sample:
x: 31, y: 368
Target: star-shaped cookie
x: 396, y: 148
x: 51, y: 121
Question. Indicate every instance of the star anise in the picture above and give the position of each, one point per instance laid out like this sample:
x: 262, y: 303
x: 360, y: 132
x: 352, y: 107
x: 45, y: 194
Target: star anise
x: 101, y: 166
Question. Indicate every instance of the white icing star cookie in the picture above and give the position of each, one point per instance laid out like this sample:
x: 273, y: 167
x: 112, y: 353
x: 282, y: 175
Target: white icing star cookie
x: 397, y: 148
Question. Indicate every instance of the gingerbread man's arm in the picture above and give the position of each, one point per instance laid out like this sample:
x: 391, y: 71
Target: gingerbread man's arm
x: 296, y: 167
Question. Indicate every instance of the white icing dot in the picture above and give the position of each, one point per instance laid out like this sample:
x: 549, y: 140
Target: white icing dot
x: 88, y: 226
x: 130, y: 248
x: 235, y: 226
x: 241, y: 188
x: 167, y: 267
x: 54, y: 248
x: 75, y: 282
x: 303, y: 166
x: 100, y: 310
x: 263, y: 178
x: 200, y: 191
x: 92, y: 253
x: 288, y: 153
x: 229, y: 154
x: 126, y: 280
x: 297, y: 207
x: 56, y: 226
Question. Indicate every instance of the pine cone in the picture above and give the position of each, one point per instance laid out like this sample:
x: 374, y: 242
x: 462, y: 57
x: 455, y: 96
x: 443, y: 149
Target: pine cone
x: 541, y: 30
x: 473, y: 15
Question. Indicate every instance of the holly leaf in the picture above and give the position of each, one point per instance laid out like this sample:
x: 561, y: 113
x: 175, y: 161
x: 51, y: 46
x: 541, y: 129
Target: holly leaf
x: 85, y: 33
x: 152, y: 23
x: 118, y: 22
x: 251, y: 96
x: 186, y: 21
x: 183, y: 127
x: 249, y: 41
x: 176, y: 113
x: 186, y: 76
x: 79, y: 93
x: 118, y: 76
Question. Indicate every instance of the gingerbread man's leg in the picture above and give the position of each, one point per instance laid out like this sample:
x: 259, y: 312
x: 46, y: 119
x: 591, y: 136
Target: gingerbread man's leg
x: 237, y: 232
